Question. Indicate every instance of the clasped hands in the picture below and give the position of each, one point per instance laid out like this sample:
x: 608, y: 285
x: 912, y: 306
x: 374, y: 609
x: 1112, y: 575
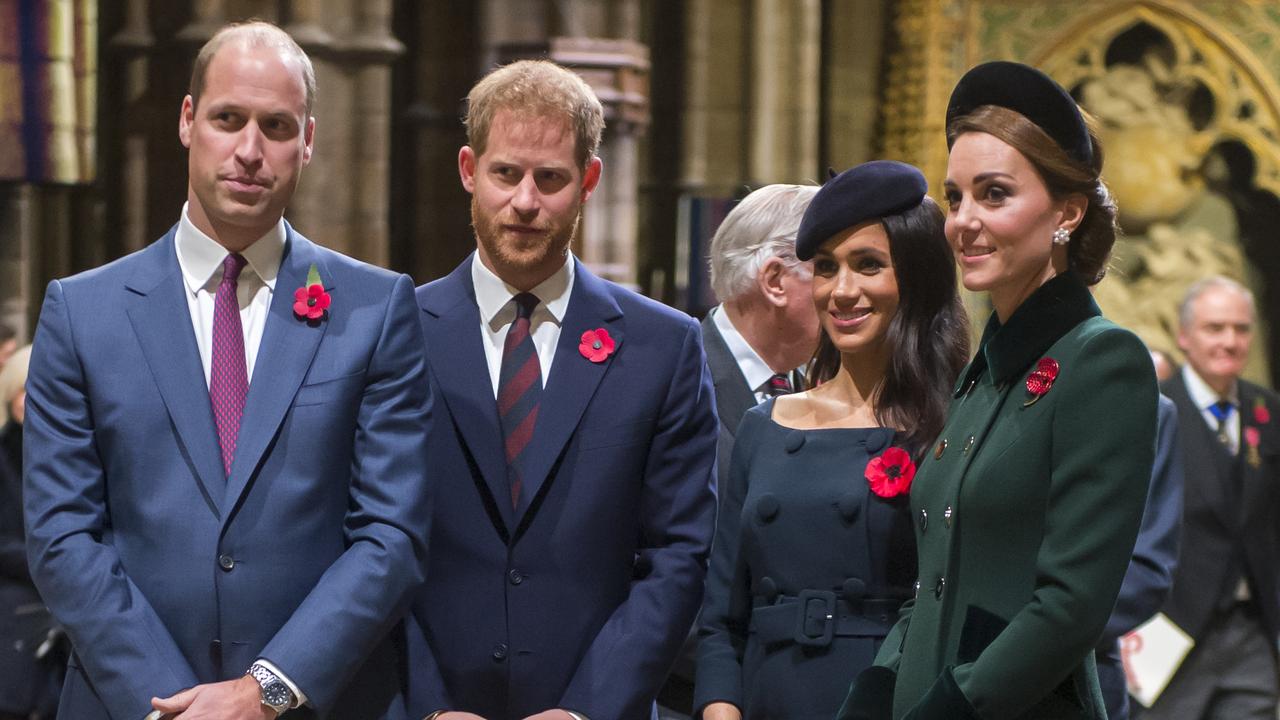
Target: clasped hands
x: 239, y: 699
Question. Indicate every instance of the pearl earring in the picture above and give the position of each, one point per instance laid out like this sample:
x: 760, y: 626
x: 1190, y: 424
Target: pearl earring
x: 1061, y: 236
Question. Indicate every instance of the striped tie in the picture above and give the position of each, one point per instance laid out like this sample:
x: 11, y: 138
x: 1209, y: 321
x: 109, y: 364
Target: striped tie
x: 519, y: 390
x: 778, y: 385
x: 228, y: 378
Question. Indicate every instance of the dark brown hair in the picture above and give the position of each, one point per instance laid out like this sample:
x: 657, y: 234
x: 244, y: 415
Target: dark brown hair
x: 1091, y: 241
x: 928, y: 338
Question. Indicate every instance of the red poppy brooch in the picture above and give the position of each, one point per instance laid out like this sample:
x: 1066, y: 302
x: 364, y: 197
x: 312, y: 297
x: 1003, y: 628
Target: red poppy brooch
x: 596, y: 345
x: 310, y: 302
x: 1041, y: 379
x: 890, y: 474
x: 1261, y: 414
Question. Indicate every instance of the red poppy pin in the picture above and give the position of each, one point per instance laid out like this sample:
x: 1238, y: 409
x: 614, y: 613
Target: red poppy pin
x: 1261, y: 414
x: 890, y: 474
x: 1253, y: 438
x: 310, y: 302
x: 1041, y: 379
x: 596, y: 345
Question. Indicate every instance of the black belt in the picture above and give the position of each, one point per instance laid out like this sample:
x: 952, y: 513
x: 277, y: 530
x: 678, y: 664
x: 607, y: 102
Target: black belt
x: 816, y: 617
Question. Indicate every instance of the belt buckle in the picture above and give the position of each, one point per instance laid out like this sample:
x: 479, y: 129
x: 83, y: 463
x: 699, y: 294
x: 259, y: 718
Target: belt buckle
x: 816, y: 606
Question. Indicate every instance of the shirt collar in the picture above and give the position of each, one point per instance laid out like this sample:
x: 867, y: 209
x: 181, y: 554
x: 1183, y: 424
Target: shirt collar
x: 1049, y: 313
x: 493, y: 294
x: 1203, y: 395
x: 200, y: 256
x: 755, y: 370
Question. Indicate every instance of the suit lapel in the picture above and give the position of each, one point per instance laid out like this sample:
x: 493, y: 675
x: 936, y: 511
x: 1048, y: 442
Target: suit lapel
x: 287, y: 349
x: 162, y: 323
x: 1253, y: 478
x: 458, y: 360
x: 733, y: 396
x: 1206, y: 471
x: 573, y: 380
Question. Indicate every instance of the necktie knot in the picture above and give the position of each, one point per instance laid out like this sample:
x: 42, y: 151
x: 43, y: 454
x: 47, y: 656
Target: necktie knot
x: 232, y: 264
x: 1221, y: 410
x: 525, y: 303
x: 777, y: 385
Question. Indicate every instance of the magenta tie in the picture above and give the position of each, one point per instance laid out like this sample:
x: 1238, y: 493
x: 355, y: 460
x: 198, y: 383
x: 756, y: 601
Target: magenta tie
x: 228, y: 377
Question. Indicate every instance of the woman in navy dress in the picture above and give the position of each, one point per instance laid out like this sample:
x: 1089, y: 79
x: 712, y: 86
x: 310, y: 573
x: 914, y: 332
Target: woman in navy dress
x: 814, y: 549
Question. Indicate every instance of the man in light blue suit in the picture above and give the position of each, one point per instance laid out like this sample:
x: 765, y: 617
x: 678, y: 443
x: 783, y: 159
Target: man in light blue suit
x: 575, y: 441
x: 226, y: 492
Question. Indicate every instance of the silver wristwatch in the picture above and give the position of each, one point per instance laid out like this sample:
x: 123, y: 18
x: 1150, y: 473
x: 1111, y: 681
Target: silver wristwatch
x: 275, y: 694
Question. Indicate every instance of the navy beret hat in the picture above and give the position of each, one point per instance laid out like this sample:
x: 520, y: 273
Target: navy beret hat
x: 869, y: 191
x: 1029, y: 92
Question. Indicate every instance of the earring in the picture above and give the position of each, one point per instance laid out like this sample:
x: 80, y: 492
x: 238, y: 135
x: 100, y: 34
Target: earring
x: 1061, y: 236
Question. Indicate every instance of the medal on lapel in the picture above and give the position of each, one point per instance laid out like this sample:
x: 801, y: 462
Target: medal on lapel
x: 1252, y: 439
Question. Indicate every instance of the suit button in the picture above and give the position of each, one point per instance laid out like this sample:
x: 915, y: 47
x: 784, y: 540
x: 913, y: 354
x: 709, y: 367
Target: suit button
x: 947, y: 515
x: 226, y: 562
x: 937, y: 589
x: 500, y: 652
x: 515, y: 577
x: 924, y: 519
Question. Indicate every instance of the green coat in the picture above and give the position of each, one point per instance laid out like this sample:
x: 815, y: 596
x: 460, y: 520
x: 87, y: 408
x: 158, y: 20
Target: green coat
x: 1025, y: 515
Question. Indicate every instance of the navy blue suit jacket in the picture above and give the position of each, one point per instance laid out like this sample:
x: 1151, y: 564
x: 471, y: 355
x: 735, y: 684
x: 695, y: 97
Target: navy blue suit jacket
x: 580, y: 597
x: 165, y: 572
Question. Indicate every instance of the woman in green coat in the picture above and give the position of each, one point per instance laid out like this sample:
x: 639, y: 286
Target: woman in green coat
x: 1027, y: 507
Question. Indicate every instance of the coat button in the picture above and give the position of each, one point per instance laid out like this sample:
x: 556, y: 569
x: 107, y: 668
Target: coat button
x: 767, y: 507
x: 500, y: 652
x: 947, y: 515
x: 924, y: 519
x: 767, y: 589
x: 968, y: 445
x: 877, y: 441
x: 515, y: 577
x: 226, y: 562
x: 937, y: 589
x: 853, y: 589
x: 848, y: 506
x: 942, y: 447
x: 917, y: 588
x: 794, y: 441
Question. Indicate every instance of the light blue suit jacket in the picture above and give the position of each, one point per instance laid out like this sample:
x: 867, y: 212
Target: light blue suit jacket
x: 167, y: 574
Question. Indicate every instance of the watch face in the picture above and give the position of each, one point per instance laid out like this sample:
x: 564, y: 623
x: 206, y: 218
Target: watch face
x: 277, y: 695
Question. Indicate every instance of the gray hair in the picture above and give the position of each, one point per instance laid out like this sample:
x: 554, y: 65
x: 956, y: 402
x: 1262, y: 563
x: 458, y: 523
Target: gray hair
x: 761, y: 226
x: 1214, y: 282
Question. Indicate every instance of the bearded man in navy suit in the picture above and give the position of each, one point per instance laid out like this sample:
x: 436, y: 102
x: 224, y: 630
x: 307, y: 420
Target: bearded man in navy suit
x: 226, y: 480
x: 576, y: 435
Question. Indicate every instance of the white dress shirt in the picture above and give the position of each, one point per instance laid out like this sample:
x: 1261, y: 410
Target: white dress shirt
x: 1204, y: 397
x: 200, y: 258
x: 493, y: 296
x: 756, y: 371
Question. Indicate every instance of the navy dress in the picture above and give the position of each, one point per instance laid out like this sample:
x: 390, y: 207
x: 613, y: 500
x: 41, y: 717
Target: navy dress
x: 800, y: 538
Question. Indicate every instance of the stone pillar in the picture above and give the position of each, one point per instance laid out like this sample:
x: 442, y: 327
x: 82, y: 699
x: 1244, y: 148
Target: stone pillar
x: 17, y: 295
x: 132, y: 48
x: 715, y: 133
x: 786, y: 41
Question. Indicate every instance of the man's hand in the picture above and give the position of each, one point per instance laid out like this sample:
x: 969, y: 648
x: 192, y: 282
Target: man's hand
x: 551, y: 715
x: 451, y: 715
x: 721, y: 711
x: 239, y: 699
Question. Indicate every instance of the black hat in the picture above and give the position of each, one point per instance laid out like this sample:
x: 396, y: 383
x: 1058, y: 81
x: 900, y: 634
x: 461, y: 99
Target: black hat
x: 1031, y: 93
x: 869, y: 191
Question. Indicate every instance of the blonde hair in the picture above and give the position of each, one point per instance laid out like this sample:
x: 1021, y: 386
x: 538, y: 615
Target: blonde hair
x: 531, y: 89
x: 13, y: 380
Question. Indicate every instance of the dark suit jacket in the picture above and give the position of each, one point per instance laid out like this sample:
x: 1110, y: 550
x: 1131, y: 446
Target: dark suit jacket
x: 733, y: 396
x: 1226, y: 529
x: 167, y: 573
x: 580, y: 597
x: 1155, y: 556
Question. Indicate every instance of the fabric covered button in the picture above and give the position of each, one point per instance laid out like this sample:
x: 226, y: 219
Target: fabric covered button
x: 878, y: 441
x: 767, y: 589
x: 853, y: 589
x: 848, y: 506
x: 795, y: 441
x: 767, y: 507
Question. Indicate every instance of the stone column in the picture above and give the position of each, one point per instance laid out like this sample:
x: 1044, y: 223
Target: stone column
x: 786, y: 43
x: 132, y: 48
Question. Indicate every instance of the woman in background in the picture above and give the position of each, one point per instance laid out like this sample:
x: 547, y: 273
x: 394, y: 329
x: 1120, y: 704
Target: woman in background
x: 813, y: 551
